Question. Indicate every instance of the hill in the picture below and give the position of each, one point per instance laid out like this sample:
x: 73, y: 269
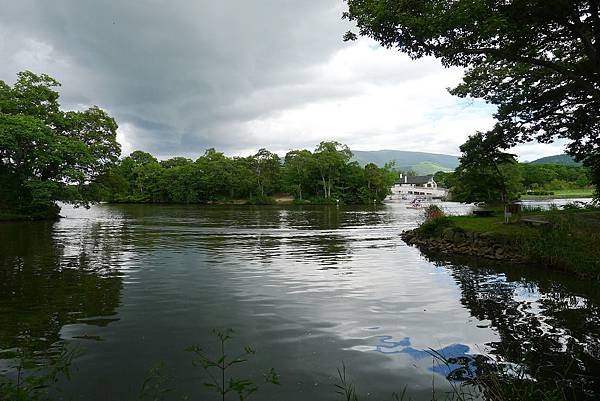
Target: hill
x: 563, y: 159
x: 420, y: 162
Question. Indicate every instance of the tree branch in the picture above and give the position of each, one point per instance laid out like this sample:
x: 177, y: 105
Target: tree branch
x: 490, y: 51
x: 594, y: 13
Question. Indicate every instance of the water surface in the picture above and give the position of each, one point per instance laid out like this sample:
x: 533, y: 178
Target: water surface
x: 309, y: 288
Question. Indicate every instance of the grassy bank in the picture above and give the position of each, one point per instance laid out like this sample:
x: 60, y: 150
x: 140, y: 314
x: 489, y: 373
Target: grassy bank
x: 562, y: 194
x: 568, y: 240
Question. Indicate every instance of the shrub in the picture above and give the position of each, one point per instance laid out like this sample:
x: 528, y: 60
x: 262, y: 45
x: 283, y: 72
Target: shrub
x: 433, y: 212
x: 434, y: 227
x: 434, y: 220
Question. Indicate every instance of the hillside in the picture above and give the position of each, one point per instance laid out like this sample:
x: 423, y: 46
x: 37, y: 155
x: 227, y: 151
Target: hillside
x: 420, y: 162
x: 563, y: 159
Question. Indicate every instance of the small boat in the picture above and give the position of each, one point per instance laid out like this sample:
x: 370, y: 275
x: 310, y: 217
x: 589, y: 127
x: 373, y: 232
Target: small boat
x: 415, y: 204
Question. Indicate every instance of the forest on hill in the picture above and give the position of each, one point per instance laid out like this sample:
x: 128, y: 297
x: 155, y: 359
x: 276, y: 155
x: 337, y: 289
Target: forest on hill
x: 421, y: 163
x: 557, y: 159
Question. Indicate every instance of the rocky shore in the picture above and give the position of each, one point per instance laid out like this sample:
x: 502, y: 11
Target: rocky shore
x: 455, y: 241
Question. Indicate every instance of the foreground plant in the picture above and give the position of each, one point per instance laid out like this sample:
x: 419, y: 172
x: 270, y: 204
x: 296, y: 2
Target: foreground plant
x: 33, y: 379
x: 218, y: 368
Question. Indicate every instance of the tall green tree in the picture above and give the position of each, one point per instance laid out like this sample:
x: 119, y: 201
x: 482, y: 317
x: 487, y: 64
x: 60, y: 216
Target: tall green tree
x: 266, y: 167
x: 324, y: 176
x: 538, y: 61
x: 46, y: 154
x: 330, y: 159
x: 297, y: 171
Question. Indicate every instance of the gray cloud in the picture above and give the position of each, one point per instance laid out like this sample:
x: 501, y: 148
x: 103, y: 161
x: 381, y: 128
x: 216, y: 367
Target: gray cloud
x: 180, y: 69
x: 181, y: 76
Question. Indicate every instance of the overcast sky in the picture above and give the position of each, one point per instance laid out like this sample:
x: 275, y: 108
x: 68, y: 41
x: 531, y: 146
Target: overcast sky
x: 181, y: 76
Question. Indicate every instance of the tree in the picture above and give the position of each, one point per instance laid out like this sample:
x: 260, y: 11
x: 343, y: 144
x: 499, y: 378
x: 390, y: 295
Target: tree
x: 298, y: 165
x: 215, y: 175
x: 485, y: 173
x: 266, y: 167
x: 327, y: 174
x: 444, y: 179
x: 538, y: 61
x: 48, y: 155
x: 330, y: 159
x: 175, y: 162
x: 379, y: 182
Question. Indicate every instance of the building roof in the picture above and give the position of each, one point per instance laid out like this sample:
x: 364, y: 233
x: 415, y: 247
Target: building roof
x: 417, y: 179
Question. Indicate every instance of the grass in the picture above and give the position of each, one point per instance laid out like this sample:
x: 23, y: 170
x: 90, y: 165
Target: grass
x: 563, y: 194
x: 570, y: 242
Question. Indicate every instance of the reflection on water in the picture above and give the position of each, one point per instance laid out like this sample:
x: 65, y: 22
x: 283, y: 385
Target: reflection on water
x: 308, y: 287
x: 46, y: 284
x: 547, y: 322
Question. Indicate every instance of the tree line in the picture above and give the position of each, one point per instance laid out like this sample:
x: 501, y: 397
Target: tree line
x: 325, y: 175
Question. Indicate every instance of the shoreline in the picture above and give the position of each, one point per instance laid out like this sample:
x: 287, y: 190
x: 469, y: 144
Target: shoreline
x: 453, y: 241
x: 557, y: 240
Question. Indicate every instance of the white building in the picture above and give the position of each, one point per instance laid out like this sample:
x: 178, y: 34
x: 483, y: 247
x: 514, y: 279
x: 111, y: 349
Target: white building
x: 408, y: 187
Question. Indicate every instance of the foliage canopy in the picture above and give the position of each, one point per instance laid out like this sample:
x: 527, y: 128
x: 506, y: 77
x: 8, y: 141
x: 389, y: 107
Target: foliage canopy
x: 46, y: 154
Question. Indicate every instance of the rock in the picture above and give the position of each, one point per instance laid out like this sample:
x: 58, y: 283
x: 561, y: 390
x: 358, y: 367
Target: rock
x: 459, y: 236
x: 448, y: 233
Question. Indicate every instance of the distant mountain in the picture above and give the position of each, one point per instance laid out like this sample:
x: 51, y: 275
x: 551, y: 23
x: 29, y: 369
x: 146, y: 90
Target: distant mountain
x: 557, y: 159
x: 420, y: 162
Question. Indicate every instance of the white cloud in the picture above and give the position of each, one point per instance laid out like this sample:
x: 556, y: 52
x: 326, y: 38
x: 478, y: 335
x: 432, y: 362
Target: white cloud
x: 531, y: 151
x: 392, y: 102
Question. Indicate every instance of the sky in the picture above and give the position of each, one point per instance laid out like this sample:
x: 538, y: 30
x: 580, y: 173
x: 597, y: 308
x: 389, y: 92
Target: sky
x: 182, y: 76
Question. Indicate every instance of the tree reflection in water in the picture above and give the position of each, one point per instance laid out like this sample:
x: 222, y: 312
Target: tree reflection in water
x: 552, y: 330
x: 46, y: 283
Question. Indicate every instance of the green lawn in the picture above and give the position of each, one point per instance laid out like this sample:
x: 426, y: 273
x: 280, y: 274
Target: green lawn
x: 570, y: 242
x: 563, y: 194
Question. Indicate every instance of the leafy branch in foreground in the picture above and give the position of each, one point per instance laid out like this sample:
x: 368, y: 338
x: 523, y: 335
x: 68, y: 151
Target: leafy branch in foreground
x: 217, y: 369
x: 154, y: 387
x: 33, y: 379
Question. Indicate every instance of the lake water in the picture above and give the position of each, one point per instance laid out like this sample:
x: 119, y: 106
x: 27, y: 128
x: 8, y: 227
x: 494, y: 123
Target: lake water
x: 309, y: 288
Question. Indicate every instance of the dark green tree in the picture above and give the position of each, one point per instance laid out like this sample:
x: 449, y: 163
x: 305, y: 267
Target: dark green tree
x: 215, y: 175
x: 537, y: 61
x: 46, y: 154
x: 486, y: 173
x: 379, y: 182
